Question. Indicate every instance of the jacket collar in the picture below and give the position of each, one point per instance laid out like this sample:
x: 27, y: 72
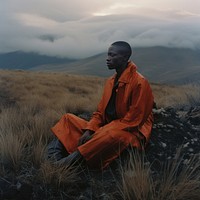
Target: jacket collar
x: 127, y: 73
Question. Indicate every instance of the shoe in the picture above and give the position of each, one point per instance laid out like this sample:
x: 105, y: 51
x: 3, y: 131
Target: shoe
x: 72, y: 159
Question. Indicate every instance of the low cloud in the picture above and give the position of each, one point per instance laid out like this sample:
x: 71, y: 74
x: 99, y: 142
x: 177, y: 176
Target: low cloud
x: 68, y: 32
x: 48, y: 37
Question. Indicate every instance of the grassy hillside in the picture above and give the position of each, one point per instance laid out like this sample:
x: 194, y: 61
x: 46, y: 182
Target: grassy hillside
x: 58, y: 88
x: 32, y: 102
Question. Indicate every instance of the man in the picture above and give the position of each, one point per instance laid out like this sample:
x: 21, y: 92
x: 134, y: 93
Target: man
x: 123, y: 117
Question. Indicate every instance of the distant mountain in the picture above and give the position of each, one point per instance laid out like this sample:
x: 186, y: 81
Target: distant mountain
x: 158, y: 64
x: 22, y: 60
x: 95, y: 65
x: 168, y: 65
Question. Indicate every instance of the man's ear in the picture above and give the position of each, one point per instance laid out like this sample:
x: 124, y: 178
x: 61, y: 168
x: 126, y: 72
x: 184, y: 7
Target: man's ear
x: 126, y: 57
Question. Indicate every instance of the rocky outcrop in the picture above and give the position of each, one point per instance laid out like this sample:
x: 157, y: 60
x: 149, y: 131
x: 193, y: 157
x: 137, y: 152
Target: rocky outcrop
x: 174, y: 130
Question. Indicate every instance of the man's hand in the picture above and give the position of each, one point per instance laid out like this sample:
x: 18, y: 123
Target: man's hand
x: 87, y: 135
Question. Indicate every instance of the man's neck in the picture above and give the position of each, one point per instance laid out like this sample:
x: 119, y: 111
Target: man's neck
x: 121, y: 69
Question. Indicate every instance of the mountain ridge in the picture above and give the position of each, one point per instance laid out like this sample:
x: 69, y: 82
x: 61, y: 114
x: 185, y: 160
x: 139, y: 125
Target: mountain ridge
x: 27, y: 60
x: 158, y: 64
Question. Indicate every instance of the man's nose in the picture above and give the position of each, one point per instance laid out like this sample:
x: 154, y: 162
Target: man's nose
x: 108, y: 58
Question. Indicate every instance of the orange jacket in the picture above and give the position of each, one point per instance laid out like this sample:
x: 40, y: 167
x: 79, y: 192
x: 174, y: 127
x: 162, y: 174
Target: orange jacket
x: 134, y: 102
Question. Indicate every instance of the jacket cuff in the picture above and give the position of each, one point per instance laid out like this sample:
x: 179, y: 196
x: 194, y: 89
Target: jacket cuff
x: 92, y: 127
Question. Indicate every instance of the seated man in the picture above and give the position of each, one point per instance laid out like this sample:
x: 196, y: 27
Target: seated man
x: 123, y: 117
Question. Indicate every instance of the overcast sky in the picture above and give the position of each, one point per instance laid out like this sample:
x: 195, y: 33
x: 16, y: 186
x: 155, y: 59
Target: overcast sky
x: 81, y: 28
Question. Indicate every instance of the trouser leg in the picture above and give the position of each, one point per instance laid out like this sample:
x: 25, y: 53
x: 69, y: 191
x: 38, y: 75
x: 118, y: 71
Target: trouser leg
x: 106, y: 145
x: 56, y: 150
x: 68, y: 130
x: 57, y: 153
x: 103, y: 148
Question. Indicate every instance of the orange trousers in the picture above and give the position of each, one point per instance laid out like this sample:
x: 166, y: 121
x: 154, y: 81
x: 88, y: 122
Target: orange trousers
x: 105, y: 145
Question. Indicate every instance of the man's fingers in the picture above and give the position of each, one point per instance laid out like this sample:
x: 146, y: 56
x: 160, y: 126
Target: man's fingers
x: 80, y: 142
x: 84, y: 140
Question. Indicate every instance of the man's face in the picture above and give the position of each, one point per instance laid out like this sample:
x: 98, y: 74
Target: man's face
x: 115, y: 58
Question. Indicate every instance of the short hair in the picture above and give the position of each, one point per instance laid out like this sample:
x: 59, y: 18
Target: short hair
x: 126, y: 46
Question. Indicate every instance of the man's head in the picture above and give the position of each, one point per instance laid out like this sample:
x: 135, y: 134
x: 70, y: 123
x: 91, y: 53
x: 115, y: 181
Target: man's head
x: 118, y: 55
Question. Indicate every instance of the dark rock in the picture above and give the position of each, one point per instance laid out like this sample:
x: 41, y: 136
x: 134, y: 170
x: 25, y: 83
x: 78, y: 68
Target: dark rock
x: 14, y: 189
x: 8, y: 189
x: 194, y: 115
x: 173, y: 130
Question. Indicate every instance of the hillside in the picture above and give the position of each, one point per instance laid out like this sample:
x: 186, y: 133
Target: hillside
x: 32, y: 102
x: 158, y: 64
x: 22, y: 60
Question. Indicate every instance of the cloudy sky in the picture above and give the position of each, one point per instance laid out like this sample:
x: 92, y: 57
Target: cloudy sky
x: 81, y: 28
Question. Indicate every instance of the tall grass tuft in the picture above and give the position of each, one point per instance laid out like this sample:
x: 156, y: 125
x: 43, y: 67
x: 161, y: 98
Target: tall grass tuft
x: 57, y: 176
x: 38, y: 153
x: 174, y: 182
x: 11, y: 151
x: 180, y: 182
x: 136, y: 178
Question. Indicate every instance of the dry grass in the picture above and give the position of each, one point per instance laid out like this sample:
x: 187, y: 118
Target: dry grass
x: 31, y: 103
x: 57, y: 175
x: 52, y: 91
x: 180, y: 184
x: 173, y: 183
x: 136, y: 178
x: 11, y: 148
x: 176, y: 96
x: 61, y: 92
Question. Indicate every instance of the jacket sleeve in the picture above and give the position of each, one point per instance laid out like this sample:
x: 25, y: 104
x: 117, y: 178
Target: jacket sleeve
x: 140, y: 108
